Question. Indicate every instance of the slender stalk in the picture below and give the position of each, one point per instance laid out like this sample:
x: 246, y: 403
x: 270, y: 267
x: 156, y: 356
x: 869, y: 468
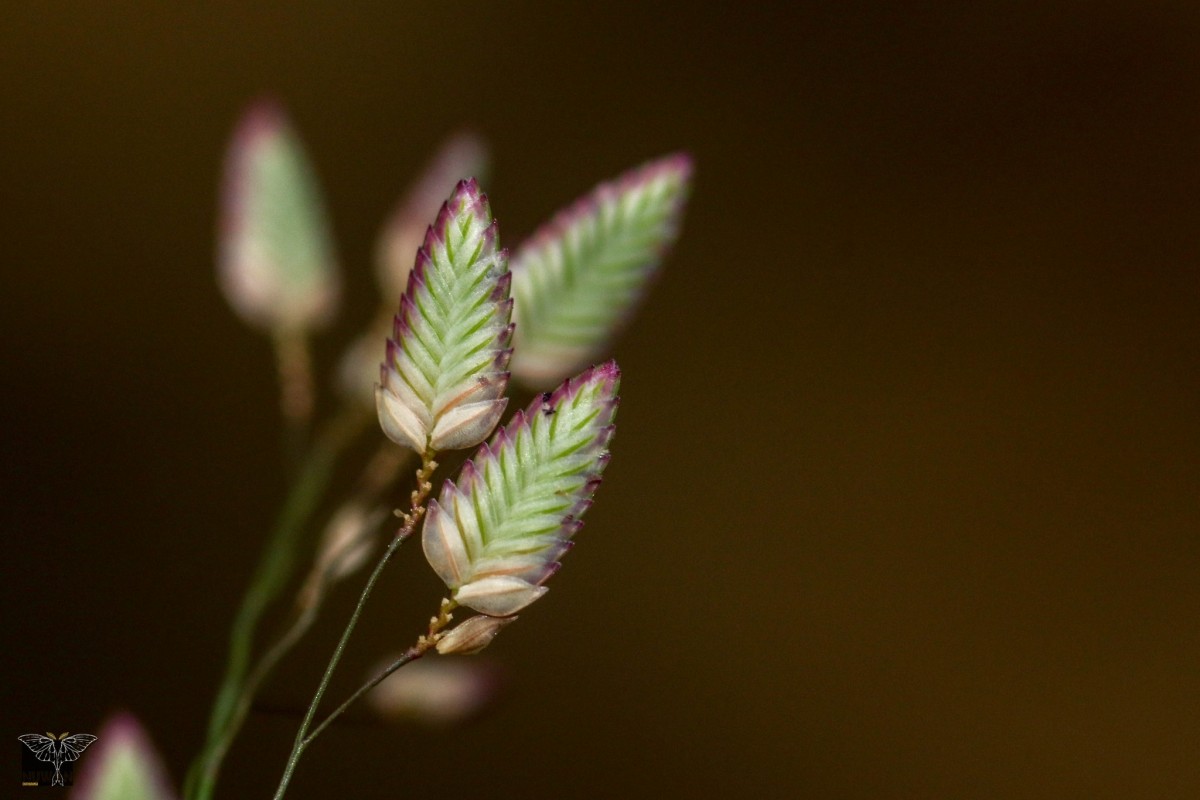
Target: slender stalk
x: 378, y: 475
x: 410, y: 522
x: 409, y: 655
x: 294, y: 365
x: 274, y: 570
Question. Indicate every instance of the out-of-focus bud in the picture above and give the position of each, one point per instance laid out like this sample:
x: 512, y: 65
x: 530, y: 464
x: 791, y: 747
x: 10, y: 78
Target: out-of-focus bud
x: 439, y: 691
x: 276, y: 262
x: 345, y: 546
x: 469, y: 637
x: 123, y: 766
x: 462, y: 156
x: 347, y: 540
x: 580, y: 277
x: 358, y: 371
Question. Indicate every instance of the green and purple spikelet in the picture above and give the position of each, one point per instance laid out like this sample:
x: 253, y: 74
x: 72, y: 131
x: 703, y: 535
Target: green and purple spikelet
x: 442, y: 384
x: 497, y: 535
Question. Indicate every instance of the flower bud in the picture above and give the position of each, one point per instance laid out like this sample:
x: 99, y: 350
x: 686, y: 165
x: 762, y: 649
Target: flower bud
x: 471, y: 636
x: 276, y: 262
x: 125, y: 765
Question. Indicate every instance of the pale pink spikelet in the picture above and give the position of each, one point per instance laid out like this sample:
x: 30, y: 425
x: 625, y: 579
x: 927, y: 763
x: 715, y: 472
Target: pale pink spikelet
x: 437, y: 691
x: 123, y: 765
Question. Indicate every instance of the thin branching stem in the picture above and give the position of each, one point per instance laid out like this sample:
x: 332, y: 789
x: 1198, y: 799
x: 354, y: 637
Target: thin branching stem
x: 411, y: 654
x: 378, y: 476
x: 253, y: 683
x: 417, y: 510
x: 274, y: 570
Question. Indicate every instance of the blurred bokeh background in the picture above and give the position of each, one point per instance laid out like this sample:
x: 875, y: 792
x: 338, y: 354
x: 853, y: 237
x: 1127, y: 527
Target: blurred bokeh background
x: 904, y: 500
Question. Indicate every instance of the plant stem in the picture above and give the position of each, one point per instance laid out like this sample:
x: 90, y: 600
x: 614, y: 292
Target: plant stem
x: 274, y: 570
x: 294, y: 365
x: 409, y: 655
x: 417, y: 511
x: 378, y: 475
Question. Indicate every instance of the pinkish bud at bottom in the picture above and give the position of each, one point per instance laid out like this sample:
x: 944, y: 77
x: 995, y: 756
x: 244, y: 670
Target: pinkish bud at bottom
x: 468, y: 638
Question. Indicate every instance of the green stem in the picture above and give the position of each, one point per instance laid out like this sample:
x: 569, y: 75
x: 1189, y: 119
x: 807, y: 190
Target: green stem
x: 218, y: 749
x: 427, y: 641
x: 274, y: 570
x: 409, y: 655
x: 296, y: 396
x: 302, y: 740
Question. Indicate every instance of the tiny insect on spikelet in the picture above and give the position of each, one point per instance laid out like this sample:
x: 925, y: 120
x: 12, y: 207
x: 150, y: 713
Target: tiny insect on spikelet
x: 497, y: 535
x: 442, y: 383
x: 579, y: 278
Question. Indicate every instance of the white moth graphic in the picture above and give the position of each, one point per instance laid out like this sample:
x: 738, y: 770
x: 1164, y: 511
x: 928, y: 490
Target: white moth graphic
x: 67, y: 748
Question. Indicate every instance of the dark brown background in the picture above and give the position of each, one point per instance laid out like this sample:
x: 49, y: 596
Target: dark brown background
x: 904, y: 501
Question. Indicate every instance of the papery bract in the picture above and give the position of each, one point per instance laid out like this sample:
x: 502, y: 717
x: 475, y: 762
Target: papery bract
x: 471, y: 636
